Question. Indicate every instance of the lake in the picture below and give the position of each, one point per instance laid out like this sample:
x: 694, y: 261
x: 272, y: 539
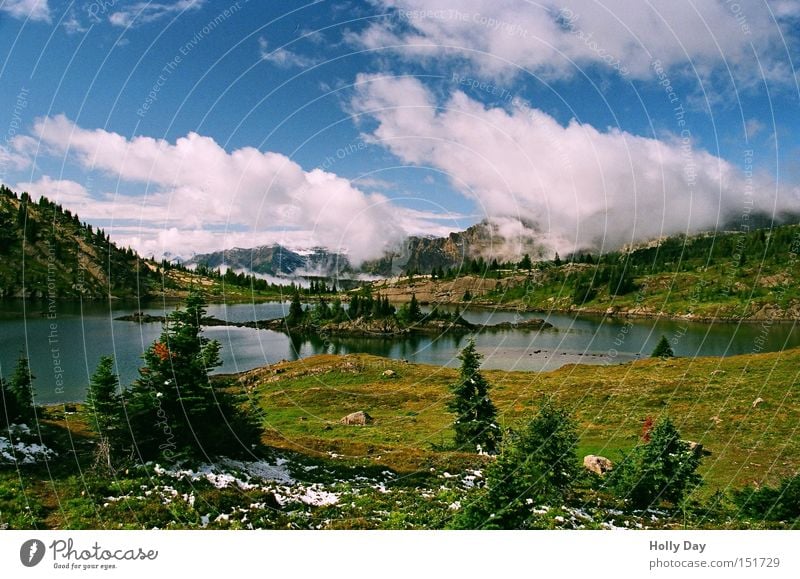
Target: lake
x: 64, y: 350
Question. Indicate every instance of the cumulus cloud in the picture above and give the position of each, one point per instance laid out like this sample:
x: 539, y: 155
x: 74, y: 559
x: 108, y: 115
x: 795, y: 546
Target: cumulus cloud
x: 37, y: 10
x: 197, y: 196
x: 147, y: 12
x: 579, y: 187
x: 557, y: 37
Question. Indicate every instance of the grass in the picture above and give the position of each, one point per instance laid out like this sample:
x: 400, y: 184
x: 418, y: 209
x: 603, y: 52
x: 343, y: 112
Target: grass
x: 400, y: 471
x: 709, y: 399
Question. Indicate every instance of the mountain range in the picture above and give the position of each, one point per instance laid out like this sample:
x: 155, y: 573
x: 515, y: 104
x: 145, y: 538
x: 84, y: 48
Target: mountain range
x: 415, y: 253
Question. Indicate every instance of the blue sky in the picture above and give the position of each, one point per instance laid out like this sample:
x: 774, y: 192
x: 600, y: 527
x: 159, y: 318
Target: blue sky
x: 193, y: 126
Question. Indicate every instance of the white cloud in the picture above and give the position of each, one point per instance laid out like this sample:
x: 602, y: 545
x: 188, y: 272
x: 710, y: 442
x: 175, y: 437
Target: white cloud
x: 147, y: 12
x: 580, y: 187
x: 61, y: 191
x: 558, y: 37
x: 206, y: 194
x: 283, y: 57
x: 12, y: 159
x: 37, y: 10
x: 72, y: 25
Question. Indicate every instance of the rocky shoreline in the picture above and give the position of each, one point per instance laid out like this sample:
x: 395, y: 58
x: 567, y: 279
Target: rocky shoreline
x: 359, y: 327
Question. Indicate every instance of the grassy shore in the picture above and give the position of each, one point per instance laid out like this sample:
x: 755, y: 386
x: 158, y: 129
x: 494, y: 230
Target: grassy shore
x: 400, y: 470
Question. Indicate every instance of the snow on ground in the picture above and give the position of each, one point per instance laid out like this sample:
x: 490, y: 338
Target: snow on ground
x: 15, y: 450
x: 219, y: 474
x: 248, y: 475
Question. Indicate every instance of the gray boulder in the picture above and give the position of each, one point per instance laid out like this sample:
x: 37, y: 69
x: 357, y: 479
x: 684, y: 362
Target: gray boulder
x: 359, y: 418
x: 599, y: 465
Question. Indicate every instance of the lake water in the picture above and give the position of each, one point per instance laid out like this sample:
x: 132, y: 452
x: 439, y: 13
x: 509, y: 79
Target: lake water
x: 66, y: 348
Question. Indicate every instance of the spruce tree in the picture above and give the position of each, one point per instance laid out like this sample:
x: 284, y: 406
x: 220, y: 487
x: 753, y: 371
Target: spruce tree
x: 525, y: 262
x: 103, y: 400
x: 296, y: 314
x: 21, y: 390
x: 414, y: 311
x: 476, y: 417
x: 7, y: 405
x: 353, y: 310
x: 663, y: 349
x: 173, y: 408
x: 662, y: 469
x: 537, y: 465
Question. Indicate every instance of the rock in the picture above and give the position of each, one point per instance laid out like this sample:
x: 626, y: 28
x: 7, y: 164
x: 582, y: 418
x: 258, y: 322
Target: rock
x: 597, y: 464
x: 389, y: 374
x: 716, y: 420
x: 359, y: 418
x: 758, y: 401
x: 696, y: 447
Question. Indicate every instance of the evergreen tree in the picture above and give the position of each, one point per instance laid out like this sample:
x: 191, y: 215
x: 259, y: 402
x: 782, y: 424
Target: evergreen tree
x: 172, y: 407
x: 22, y: 394
x: 663, y: 349
x: 475, y: 424
x: 525, y: 262
x: 353, y: 309
x: 377, y: 308
x: 662, y: 469
x: 620, y: 281
x: 322, y: 312
x: 103, y: 400
x: 7, y: 405
x: 337, y: 311
x: 556, y: 260
x: 414, y: 311
x: 537, y: 465
x: 296, y: 313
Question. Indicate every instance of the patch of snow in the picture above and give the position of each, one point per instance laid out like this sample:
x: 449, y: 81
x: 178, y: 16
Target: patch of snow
x: 23, y: 453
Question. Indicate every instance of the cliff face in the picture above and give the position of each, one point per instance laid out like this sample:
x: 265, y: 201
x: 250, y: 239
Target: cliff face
x: 481, y: 240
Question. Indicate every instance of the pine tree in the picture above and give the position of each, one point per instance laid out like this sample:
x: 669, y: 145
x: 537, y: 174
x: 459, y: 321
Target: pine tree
x: 22, y: 394
x: 296, y: 314
x: 173, y: 407
x: 353, y: 309
x: 103, y: 400
x: 322, y: 312
x: 662, y: 469
x: 537, y: 465
x: 414, y: 311
x: 663, y: 349
x: 525, y: 262
x: 475, y: 424
x: 7, y: 405
x: 337, y: 311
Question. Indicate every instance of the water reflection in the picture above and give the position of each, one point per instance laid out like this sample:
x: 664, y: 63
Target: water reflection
x: 84, y: 332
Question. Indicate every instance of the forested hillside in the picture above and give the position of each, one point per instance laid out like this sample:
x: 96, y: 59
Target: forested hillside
x: 45, y: 250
